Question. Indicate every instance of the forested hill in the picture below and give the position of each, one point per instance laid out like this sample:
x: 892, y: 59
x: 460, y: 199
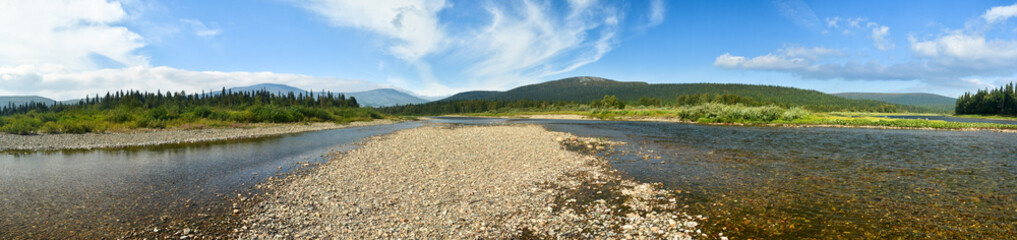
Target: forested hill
x: 472, y: 95
x: 927, y: 100
x: 21, y: 100
x: 586, y: 89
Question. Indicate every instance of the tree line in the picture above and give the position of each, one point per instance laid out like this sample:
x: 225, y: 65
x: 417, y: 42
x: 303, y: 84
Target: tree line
x: 1000, y: 101
x: 224, y: 99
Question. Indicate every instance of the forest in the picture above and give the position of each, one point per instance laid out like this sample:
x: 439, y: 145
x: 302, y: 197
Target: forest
x: 135, y: 109
x: 1000, y: 101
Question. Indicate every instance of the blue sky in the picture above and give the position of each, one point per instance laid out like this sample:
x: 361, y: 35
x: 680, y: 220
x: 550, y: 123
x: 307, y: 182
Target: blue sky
x: 64, y: 49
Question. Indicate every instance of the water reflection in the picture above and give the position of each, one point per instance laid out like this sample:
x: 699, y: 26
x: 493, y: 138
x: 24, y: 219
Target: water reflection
x: 88, y: 194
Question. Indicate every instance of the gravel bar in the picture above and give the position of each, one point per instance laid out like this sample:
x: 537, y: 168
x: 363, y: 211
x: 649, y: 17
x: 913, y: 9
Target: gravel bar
x: 466, y: 182
x: 159, y: 137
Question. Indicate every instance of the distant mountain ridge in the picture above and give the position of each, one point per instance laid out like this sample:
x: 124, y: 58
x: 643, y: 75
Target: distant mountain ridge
x: 585, y: 89
x: 21, y: 100
x: 927, y: 100
x: 381, y: 97
x: 384, y: 97
x: 271, y: 87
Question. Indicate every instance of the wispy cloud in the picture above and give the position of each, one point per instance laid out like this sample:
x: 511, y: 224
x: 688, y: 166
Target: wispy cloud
x: 798, y: 12
x: 847, y: 26
x: 200, y: 29
x: 657, y: 11
x: 520, y: 42
x: 412, y: 24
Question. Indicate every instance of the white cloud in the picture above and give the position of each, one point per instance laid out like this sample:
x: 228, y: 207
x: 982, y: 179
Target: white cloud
x: 412, y: 23
x: 728, y: 61
x: 879, y: 34
x: 200, y: 29
x: 657, y: 9
x: 59, y: 49
x: 813, y: 53
x: 953, y: 60
x: 67, y: 33
x: 1001, y: 13
x: 971, y: 50
x: 521, y: 42
x: 62, y: 83
x: 833, y: 22
x: 787, y: 58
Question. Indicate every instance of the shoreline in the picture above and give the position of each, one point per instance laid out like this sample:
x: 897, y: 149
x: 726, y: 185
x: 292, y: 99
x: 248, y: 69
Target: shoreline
x: 783, y: 125
x: 88, y: 141
x: 505, y: 181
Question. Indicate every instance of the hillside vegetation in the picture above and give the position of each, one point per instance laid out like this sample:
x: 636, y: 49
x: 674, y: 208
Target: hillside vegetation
x: 586, y: 89
x: 936, y: 103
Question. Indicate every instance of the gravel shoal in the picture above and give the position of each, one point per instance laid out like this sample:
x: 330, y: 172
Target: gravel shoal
x: 159, y: 137
x: 466, y: 182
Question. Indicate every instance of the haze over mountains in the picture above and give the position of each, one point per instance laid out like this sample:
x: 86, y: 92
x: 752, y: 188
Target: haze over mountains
x: 926, y: 100
x: 19, y: 100
x: 381, y: 97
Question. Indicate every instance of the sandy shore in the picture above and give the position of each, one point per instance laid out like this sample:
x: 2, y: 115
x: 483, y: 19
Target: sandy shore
x: 444, y: 182
x: 159, y: 137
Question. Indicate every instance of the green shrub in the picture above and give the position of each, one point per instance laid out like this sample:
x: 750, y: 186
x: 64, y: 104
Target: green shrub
x: 119, y: 116
x: 74, y: 127
x: 22, y: 126
x: 202, y: 112
x: 50, y: 127
x: 715, y: 112
x: 158, y: 113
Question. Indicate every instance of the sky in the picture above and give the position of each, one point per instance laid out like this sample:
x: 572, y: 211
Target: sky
x: 65, y: 49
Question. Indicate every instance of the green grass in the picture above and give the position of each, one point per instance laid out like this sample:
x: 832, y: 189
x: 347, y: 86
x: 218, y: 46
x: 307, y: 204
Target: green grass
x: 714, y: 113
x: 122, y: 119
x: 895, y: 123
x: 993, y: 117
x: 709, y: 113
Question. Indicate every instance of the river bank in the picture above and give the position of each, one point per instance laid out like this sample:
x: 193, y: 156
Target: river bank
x: 440, y: 182
x: 164, y: 136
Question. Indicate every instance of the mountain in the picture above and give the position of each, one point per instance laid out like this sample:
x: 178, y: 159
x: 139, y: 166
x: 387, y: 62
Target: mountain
x: 271, y: 87
x: 471, y: 95
x: 384, y: 97
x: 927, y: 100
x: 586, y: 89
x: 19, y: 100
x: 375, y: 98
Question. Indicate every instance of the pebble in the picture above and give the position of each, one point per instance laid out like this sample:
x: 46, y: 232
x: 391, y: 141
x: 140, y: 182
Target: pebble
x: 463, y: 182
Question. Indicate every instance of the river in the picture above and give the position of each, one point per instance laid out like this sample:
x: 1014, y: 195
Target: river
x: 750, y: 182
x: 100, y: 193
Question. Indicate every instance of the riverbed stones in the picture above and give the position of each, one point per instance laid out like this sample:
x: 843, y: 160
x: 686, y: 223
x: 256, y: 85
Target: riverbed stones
x: 454, y: 182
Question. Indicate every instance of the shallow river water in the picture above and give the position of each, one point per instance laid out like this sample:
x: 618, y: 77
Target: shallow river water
x: 750, y: 182
x: 825, y: 183
x: 94, y: 194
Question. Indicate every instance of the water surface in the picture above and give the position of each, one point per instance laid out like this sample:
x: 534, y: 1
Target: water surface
x: 825, y: 183
x: 92, y: 194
